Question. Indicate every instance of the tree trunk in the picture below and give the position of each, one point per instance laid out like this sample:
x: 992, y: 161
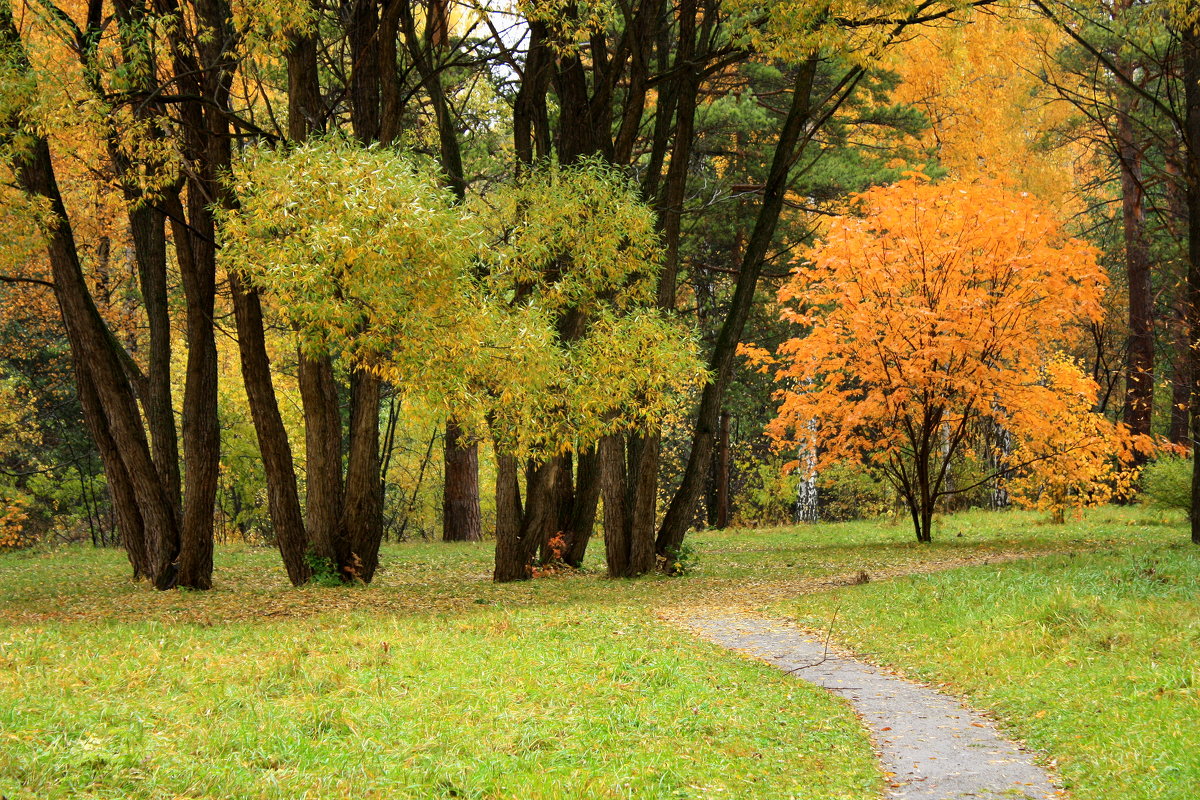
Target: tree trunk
x: 283, y: 499
x: 583, y: 510
x: 1139, y: 362
x: 518, y: 535
x: 362, y: 514
x: 139, y: 548
x: 683, y: 505
x: 531, y: 127
x: 1190, y: 56
x: 616, y: 507
x: 630, y: 482
x: 147, y: 226
x: 323, y: 458
x: 200, y: 428
x: 510, y: 563
x: 460, y: 501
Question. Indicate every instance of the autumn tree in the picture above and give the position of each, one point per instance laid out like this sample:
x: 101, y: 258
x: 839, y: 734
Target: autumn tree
x: 371, y: 260
x: 576, y: 248
x: 932, y: 310
x: 364, y: 256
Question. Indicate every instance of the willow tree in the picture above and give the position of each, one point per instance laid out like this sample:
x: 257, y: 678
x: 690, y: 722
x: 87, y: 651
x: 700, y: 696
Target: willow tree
x: 572, y: 263
x: 364, y: 255
x: 367, y: 257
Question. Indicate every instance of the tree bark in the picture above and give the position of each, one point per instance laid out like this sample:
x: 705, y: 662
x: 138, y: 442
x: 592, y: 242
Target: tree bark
x: 518, y: 535
x: 510, y: 564
x: 323, y: 458
x: 583, y: 511
x: 460, y: 501
x: 147, y: 226
x: 362, y: 514
x: 196, y: 247
x: 283, y: 499
x: 629, y: 481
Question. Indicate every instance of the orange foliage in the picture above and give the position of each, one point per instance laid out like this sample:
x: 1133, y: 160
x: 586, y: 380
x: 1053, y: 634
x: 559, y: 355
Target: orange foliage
x: 990, y: 113
x: 1066, y: 455
x: 12, y: 527
x: 937, y: 309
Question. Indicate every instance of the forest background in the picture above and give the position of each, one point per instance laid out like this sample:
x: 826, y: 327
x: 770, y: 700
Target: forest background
x: 165, y: 390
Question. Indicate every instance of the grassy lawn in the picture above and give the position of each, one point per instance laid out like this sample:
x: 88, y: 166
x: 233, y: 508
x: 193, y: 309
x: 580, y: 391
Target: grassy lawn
x: 1091, y: 654
x: 433, y: 682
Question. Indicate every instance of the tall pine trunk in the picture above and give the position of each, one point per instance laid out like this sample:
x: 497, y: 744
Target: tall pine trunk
x: 683, y: 505
x: 1139, y: 361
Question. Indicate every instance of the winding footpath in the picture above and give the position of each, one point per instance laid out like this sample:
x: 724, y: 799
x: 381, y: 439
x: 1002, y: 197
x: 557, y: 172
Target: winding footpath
x: 931, y: 746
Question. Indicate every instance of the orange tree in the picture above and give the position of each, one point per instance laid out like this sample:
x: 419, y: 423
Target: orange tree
x: 931, y: 310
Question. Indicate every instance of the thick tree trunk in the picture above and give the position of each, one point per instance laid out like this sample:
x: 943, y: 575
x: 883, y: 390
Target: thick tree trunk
x: 460, y: 501
x: 518, y: 535
x: 138, y: 546
x: 200, y: 428
x: 147, y: 226
x: 531, y: 127
x: 616, y: 507
x: 362, y: 28
x: 629, y: 481
x: 323, y: 458
x: 510, y: 562
x: 305, y: 114
x: 362, y: 513
x: 583, y: 511
x: 683, y: 505
x: 283, y: 499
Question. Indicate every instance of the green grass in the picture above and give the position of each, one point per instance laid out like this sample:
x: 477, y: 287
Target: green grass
x: 600, y: 703
x: 433, y: 682
x: 1090, y: 655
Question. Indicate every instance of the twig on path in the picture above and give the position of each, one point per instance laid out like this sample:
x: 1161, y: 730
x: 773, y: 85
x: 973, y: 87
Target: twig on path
x: 828, y: 636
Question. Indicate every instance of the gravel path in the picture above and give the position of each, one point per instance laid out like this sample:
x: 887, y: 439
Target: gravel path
x: 931, y: 746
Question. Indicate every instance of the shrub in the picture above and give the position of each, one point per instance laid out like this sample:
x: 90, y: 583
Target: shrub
x: 1167, y: 483
x: 847, y: 491
x: 13, y: 531
x: 767, y: 493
